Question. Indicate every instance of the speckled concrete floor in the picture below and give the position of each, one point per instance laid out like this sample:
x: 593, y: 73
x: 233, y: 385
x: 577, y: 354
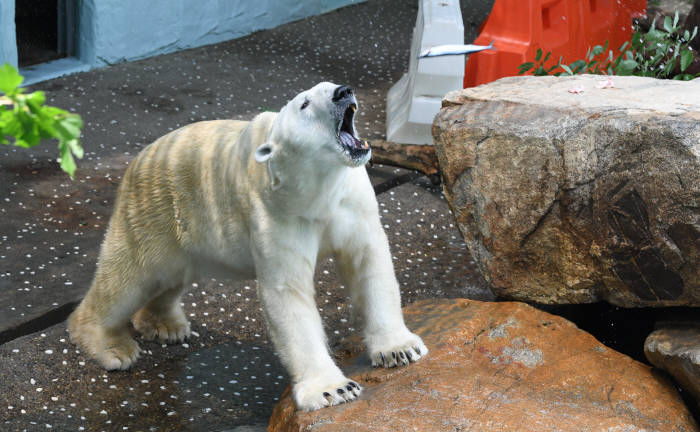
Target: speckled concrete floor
x: 51, y: 228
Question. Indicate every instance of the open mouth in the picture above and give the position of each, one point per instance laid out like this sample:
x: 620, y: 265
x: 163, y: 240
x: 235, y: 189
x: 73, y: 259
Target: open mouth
x: 347, y: 136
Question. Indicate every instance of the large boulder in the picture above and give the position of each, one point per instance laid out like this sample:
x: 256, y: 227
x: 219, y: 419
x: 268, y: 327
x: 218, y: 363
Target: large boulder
x: 677, y: 351
x: 499, y: 367
x: 572, y: 197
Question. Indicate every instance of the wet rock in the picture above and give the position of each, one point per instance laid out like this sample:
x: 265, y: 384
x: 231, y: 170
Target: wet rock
x: 496, y: 367
x: 657, y: 10
x: 575, y: 198
x: 692, y: 21
x: 677, y: 351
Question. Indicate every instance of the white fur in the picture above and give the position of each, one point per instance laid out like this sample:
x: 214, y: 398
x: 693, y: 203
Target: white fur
x: 270, y: 200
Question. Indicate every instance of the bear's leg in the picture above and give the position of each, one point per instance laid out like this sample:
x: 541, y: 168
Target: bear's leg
x: 100, y: 324
x: 163, y: 318
x: 365, y: 265
x: 285, y: 288
x: 125, y: 280
x: 295, y: 328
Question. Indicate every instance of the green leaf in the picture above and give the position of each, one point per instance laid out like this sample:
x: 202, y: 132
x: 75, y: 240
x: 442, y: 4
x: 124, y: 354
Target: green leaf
x: 669, y: 68
x: 546, y: 57
x: 75, y: 148
x: 668, y: 26
x: 686, y: 59
x: 683, y: 77
x: 21, y: 143
x: 35, y: 100
x: 597, y: 50
x: 695, y: 32
x: 567, y: 69
x: 538, y: 56
x: 9, y: 124
x: 68, y: 128
x: 656, y: 59
x: 525, y: 67
x: 10, y: 79
x: 578, y: 66
x: 30, y: 130
x: 686, y: 35
x: 636, y: 41
x: 654, y: 35
x: 626, y: 67
x: 67, y: 161
x: 675, y: 21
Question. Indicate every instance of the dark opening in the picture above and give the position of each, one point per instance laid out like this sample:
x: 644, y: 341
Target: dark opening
x: 41, y: 27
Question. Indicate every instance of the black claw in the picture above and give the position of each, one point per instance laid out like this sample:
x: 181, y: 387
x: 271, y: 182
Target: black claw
x: 354, y: 384
x: 393, y: 354
x: 326, y: 394
x: 383, y: 358
x: 348, y: 387
x: 403, y: 356
x: 417, y: 350
x: 340, y: 391
x: 410, y: 356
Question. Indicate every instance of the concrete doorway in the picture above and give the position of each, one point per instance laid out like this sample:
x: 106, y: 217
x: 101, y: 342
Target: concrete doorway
x: 37, y: 26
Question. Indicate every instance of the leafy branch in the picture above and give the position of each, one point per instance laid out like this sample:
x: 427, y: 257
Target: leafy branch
x: 657, y: 53
x: 25, y: 118
x: 540, y: 70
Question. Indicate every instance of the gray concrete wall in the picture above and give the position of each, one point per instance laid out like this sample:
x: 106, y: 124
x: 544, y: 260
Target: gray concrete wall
x: 112, y: 31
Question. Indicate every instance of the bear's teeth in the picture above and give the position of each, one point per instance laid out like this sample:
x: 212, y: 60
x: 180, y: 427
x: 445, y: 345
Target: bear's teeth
x: 353, y: 107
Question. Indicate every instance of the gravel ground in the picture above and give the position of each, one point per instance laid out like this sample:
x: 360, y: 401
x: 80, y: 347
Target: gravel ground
x: 51, y: 227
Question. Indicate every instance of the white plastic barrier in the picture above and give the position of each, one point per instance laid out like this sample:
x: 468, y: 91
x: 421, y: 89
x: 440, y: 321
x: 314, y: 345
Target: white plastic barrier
x: 413, y: 102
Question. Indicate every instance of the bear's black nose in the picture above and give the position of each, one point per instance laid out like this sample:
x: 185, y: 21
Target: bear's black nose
x: 341, y: 92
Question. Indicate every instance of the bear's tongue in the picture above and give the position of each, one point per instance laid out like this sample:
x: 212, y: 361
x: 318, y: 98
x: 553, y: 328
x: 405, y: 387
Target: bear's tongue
x: 350, y: 141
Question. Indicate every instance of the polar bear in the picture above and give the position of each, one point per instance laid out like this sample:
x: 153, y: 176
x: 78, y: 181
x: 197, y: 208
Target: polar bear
x: 264, y: 199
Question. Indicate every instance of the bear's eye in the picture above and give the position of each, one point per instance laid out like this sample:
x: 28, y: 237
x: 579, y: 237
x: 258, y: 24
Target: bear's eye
x: 305, y: 104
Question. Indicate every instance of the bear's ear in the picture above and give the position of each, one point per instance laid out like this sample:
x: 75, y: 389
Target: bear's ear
x: 264, y: 152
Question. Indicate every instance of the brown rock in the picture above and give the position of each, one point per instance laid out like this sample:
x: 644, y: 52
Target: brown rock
x: 692, y: 21
x: 499, y: 367
x: 574, y: 198
x: 677, y: 351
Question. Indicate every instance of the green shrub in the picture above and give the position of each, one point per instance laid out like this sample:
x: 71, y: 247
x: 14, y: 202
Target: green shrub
x: 656, y: 53
x: 25, y: 118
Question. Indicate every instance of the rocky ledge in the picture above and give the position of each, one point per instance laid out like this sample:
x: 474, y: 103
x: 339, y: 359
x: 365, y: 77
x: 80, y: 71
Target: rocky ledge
x: 570, y: 193
x: 496, y: 367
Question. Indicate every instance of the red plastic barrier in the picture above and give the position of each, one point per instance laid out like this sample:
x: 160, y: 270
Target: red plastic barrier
x: 565, y: 28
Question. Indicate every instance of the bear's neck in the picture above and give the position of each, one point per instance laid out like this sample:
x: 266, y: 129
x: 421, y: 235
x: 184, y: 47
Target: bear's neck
x: 308, y: 187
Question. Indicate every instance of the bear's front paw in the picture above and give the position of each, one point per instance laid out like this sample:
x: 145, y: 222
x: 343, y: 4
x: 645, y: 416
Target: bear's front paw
x: 314, y: 394
x: 392, y: 351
